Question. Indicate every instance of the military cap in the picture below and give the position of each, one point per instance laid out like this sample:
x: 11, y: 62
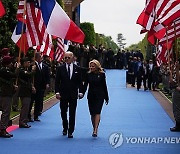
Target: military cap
x: 7, y: 60
x: 25, y: 59
x: 5, y: 51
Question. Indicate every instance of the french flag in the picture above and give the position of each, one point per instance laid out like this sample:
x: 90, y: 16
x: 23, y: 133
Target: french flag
x: 20, y: 37
x: 58, y: 23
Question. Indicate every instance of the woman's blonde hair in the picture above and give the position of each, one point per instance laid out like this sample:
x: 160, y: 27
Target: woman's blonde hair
x: 98, y: 66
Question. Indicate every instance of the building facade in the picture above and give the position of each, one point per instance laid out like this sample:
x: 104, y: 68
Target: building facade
x: 72, y: 8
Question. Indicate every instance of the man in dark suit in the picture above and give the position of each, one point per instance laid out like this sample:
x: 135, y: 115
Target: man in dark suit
x: 150, y: 70
x: 41, y: 82
x: 67, y: 82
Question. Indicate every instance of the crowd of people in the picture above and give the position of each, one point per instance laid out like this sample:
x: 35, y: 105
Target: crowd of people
x: 31, y: 78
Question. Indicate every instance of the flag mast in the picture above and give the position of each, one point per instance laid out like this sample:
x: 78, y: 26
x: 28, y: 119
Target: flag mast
x: 167, y: 42
x: 22, y: 40
x: 177, y: 53
x: 22, y: 44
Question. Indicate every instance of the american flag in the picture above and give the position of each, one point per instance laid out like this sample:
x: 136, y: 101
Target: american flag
x: 30, y: 14
x: 159, y: 13
x: 59, y: 53
x: 47, y: 47
x: 172, y: 31
x: 21, y: 12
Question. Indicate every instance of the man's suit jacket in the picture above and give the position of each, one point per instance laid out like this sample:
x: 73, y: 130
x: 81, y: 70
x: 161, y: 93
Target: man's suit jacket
x: 68, y: 88
x: 149, y: 71
x: 41, y: 76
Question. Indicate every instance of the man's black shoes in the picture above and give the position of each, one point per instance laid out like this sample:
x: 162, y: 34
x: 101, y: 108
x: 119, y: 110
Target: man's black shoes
x: 64, y: 132
x: 70, y: 135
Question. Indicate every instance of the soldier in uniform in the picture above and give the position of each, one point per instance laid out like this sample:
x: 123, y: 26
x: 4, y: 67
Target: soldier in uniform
x: 7, y: 90
x: 25, y: 90
x: 175, y: 85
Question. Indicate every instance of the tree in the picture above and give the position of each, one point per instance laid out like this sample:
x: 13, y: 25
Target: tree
x: 106, y: 41
x: 8, y: 23
x: 120, y: 40
x: 61, y: 3
x: 88, y: 29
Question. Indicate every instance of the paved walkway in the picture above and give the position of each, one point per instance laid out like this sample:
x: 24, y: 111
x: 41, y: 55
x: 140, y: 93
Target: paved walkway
x: 133, y: 122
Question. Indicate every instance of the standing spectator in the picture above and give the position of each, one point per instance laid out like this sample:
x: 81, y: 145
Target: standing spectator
x: 124, y: 62
x: 130, y: 72
x: 67, y: 82
x: 110, y: 58
x: 175, y: 84
x: 97, y: 92
x: 84, y: 56
x: 119, y: 60
x: 142, y: 76
x: 101, y: 54
x: 155, y: 77
x: 93, y: 54
x: 135, y: 70
x: 41, y: 83
x: 140, y: 55
x: 150, y: 69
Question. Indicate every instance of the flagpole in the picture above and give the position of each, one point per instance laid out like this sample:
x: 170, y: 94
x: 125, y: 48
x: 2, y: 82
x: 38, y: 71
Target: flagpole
x: 157, y: 43
x: 168, y: 52
x: 34, y: 64
x: 22, y: 29
x: 176, y: 51
x: 19, y: 56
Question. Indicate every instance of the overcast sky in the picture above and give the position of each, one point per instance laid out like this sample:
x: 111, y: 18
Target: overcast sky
x: 111, y: 17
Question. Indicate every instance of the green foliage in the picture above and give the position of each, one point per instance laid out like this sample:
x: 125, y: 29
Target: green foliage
x: 106, y: 41
x: 7, y: 24
x: 88, y: 29
x: 95, y: 38
x: 61, y: 3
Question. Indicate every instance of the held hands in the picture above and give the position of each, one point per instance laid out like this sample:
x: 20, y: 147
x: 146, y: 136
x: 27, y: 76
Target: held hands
x: 106, y: 102
x: 80, y: 95
x: 33, y: 90
x: 34, y: 68
x: 15, y: 87
x: 178, y: 88
x: 58, y: 96
x: 47, y: 86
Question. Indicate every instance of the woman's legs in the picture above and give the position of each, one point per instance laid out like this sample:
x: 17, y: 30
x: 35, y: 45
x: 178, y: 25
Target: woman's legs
x: 95, y: 122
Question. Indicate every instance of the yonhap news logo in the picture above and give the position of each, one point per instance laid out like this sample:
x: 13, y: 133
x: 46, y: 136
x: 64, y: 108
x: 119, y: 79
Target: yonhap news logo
x: 117, y: 139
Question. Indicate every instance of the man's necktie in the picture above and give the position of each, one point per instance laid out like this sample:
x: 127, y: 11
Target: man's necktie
x: 39, y: 66
x: 69, y: 71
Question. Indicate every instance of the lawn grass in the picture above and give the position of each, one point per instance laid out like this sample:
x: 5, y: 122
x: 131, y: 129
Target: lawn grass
x: 169, y: 95
x: 13, y: 113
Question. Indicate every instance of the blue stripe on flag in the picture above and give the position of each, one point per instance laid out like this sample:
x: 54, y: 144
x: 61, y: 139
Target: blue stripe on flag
x: 47, y: 7
x: 19, y: 28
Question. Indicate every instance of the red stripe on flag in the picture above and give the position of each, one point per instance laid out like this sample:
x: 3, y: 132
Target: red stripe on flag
x: 33, y: 26
x: 59, y: 54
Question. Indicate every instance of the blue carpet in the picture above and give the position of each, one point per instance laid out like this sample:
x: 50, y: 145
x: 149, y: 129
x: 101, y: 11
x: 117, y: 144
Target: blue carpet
x: 134, y: 114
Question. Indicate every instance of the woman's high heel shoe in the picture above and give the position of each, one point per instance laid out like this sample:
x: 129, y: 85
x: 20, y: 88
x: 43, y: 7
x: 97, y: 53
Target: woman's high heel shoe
x: 94, y: 135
